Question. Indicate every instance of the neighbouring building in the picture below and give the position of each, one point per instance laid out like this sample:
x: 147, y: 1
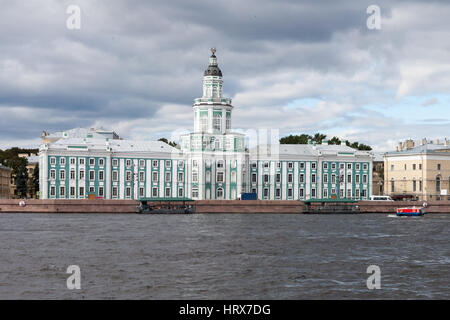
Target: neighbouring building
x: 212, y: 162
x: 419, y: 170
x: 378, y: 174
x: 5, y: 179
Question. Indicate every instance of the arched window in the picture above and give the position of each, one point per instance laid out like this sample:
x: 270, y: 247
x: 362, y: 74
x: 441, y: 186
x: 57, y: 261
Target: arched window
x: 217, y: 123
x: 219, y: 193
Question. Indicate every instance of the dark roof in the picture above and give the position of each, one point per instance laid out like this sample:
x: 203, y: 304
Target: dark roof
x: 213, y: 69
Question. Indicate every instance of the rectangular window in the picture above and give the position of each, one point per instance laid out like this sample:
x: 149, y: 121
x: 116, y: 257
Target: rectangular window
x: 313, y: 193
x: 91, y: 189
x: 290, y: 178
x: 81, y: 161
x: 266, y: 193
x: 72, y: 161
x: 168, y: 163
x: 313, y: 165
x: 154, y: 176
x: 168, y: 177
x: 325, y: 178
x: 219, y: 177
x: 180, y: 176
x: 302, y: 166
x: 181, y: 164
x: 341, y: 193
x: 349, y: 166
x: 115, y: 162
x: 357, y: 167
x: 439, y: 166
x: 155, y: 163
x: 154, y: 192
x: 128, y: 176
x: 167, y: 192
x: 62, y: 191
x: 254, y: 177
x: 91, y: 175
x: 349, y: 178
x: 141, y: 176
x: 289, y: 193
x: 194, y: 177
x: 81, y: 192
x: 277, y: 192
x: 313, y: 178
x: 365, y: 166
x: 253, y: 165
x: 52, y: 174
x: 266, y: 164
x: 72, y: 175
x: 302, y: 192
x: 115, y: 176
x: 420, y: 166
x: 52, y: 161
x: 325, y: 193
x: 392, y: 167
x: 62, y: 161
x: 278, y: 178
x: 278, y: 164
x: 392, y: 186
x: 357, y: 178
x: 141, y: 163
x: 81, y: 174
x: 62, y: 174
x: 364, y: 178
x: 91, y: 162
x: 100, y: 191
x: 180, y: 192
x: 414, y: 185
x: 128, y: 163
x: 357, y: 193
x: 333, y: 166
x: 341, y: 166
x: 141, y: 192
x: 101, y: 175
x: 195, y: 163
x: 72, y: 191
x: 302, y: 178
x: 114, y: 191
x: 220, y: 164
x: 414, y: 166
x: 349, y: 193
x: 363, y: 193
x: 128, y: 192
x: 325, y: 165
x: 266, y: 178
x: 290, y: 165
x: 101, y: 162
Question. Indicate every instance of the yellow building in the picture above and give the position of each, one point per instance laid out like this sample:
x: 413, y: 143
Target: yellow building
x: 5, y: 178
x: 420, y: 171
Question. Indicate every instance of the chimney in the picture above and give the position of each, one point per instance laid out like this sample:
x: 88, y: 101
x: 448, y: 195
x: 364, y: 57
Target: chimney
x: 409, y: 144
x: 424, y: 141
x: 437, y: 141
x: 400, y: 146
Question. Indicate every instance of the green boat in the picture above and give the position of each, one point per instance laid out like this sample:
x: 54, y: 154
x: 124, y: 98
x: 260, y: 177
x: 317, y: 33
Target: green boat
x: 165, y: 206
x: 331, y: 206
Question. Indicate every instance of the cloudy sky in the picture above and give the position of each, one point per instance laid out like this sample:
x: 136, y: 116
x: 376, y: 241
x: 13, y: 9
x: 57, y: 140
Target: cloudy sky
x: 297, y: 66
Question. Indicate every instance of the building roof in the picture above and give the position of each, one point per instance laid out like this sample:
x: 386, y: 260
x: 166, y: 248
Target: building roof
x: 425, y: 148
x: 213, y: 69
x: 5, y: 167
x: 33, y: 159
x: 114, y: 145
x: 305, y: 150
x: 82, y: 133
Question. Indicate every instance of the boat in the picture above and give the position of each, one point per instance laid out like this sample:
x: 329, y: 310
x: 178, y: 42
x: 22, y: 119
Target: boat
x: 165, y: 206
x: 331, y: 206
x: 410, y: 211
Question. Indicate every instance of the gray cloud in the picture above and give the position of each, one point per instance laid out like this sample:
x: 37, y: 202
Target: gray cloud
x: 136, y: 63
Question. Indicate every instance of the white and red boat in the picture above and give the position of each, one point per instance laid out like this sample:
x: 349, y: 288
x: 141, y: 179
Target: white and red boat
x: 411, y: 211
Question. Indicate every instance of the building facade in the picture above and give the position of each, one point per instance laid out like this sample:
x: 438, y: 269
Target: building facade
x: 212, y: 162
x: 5, y: 180
x: 419, y: 171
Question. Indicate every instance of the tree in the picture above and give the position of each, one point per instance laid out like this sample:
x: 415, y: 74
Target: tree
x: 20, y: 179
x: 318, y: 138
x: 170, y: 143
x: 33, y: 183
x: 335, y: 140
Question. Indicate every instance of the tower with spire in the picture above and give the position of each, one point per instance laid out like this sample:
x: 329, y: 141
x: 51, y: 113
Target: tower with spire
x: 214, y: 151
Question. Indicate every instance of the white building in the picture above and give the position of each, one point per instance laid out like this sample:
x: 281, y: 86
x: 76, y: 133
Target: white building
x: 213, y: 162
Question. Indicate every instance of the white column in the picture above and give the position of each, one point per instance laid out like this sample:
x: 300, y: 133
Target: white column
x: 284, y: 180
x: 224, y: 120
x: 121, y: 179
x: 108, y: 177
x: 174, y: 178
x: 162, y: 181
x: 295, y: 189
x: 148, y: 179
x: 44, y: 168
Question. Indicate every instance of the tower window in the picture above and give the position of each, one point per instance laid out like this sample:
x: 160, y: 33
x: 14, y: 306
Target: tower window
x: 217, y: 124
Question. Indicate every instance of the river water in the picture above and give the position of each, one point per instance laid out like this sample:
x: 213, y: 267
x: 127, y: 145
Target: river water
x: 219, y: 256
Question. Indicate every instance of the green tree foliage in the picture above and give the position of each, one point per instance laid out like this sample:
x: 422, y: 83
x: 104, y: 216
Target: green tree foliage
x: 21, y: 180
x: 33, y: 182
x: 318, y: 138
x: 170, y: 143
